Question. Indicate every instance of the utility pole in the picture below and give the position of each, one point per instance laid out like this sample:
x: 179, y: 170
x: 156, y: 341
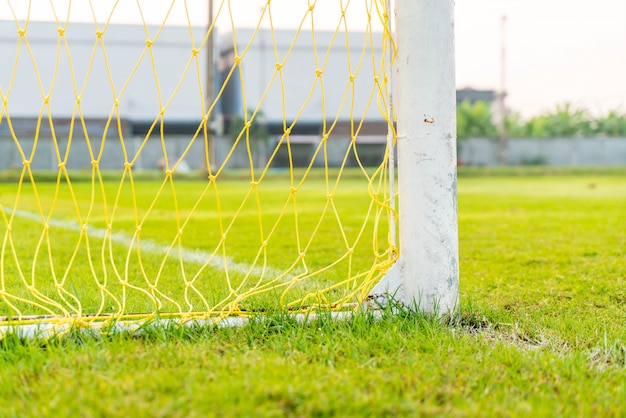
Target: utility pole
x: 210, y: 81
x: 502, y: 96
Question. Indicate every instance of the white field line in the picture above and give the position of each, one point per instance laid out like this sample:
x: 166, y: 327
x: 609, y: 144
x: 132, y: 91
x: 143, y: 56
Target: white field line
x: 188, y: 255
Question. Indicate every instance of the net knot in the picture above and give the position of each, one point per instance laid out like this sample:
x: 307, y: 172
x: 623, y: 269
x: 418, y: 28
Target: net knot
x: 61, y: 165
x: 212, y: 178
x: 279, y: 66
x: 128, y: 165
x: 149, y: 43
x: 352, y: 77
x: 194, y: 52
x: 61, y: 31
x: 21, y: 32
x: 94, y: 163
x: 237, y: 59
x: 26, y: 163
x: 318, y: 72
x: 46, y: 99
x: 99, y: 34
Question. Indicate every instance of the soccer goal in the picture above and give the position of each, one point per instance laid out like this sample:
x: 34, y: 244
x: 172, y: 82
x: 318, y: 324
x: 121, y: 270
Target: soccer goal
x: 184, y: 161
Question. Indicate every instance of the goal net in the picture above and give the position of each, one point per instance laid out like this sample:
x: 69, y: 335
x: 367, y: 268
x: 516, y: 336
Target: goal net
x: 162, y: 160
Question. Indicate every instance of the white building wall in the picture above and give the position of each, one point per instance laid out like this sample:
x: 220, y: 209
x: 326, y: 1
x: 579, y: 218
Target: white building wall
x: 304, y: 96
x: 84, y: 72
x: 26, y: 83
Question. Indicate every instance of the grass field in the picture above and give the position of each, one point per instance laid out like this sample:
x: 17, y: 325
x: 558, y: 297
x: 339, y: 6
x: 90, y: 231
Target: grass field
x: 187, y: 246
x: 540, y: 332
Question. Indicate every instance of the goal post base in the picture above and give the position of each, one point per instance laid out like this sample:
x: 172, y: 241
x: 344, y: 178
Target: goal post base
x: 397, y: 288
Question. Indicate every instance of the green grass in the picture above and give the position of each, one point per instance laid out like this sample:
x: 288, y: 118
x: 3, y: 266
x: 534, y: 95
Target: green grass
x: 540, y: 332
x: 223, y: 218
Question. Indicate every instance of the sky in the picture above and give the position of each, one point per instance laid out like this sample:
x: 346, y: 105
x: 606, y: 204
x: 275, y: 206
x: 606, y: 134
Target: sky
x: 557, y: 51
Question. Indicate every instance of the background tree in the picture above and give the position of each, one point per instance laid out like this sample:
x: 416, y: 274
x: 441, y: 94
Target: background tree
x: 612, y: 124
x: 564, y: 121
x: 475, y: 120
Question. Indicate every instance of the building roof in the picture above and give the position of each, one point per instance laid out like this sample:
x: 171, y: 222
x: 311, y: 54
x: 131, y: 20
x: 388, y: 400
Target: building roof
x: 475, y: 95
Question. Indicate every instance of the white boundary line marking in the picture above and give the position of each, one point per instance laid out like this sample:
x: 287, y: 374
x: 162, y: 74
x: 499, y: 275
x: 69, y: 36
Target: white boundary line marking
x: 188, y: 255
x: 46, y: 329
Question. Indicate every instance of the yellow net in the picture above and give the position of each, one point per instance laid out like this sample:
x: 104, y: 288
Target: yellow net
x: 187, y: 171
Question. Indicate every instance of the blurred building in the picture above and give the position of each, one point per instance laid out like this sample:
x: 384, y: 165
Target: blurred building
x: 473, y: 95
x: 138, y: 76
x: 295, y: 92
x: 81, y: 73
x: 118, y: 66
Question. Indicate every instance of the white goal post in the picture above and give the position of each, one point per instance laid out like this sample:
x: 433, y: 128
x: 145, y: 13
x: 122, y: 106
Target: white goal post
x: 426, y: 275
